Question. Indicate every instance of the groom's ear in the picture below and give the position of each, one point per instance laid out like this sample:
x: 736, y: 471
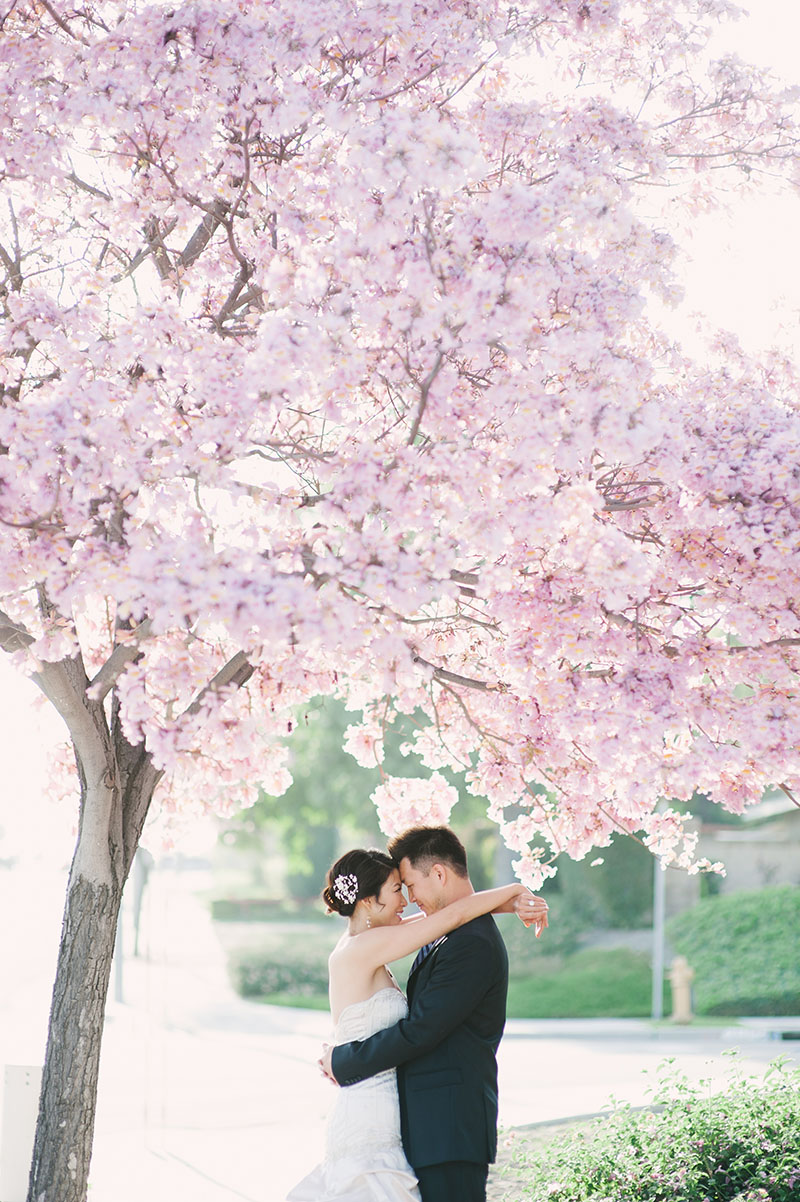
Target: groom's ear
x: 439, y: 873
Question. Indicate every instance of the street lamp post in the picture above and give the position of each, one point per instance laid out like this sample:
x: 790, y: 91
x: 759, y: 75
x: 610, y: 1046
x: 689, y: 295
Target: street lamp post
x: 659, y: 889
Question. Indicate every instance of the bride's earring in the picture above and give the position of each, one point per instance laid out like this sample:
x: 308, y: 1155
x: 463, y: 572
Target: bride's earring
x: 369, y: 922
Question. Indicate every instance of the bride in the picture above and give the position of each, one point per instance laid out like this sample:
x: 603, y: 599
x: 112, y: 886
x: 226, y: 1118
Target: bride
x: 364, y: 1158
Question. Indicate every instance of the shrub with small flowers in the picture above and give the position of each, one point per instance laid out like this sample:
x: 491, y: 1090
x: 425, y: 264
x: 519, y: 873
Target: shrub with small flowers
x: 738, y: 1145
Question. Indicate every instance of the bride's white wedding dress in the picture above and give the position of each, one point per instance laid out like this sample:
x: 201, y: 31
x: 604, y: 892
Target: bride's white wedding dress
x: 364, y: 1159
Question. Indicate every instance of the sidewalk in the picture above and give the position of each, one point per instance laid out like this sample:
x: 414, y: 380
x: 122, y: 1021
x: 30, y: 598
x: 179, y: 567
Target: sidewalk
x: 207, y: 1097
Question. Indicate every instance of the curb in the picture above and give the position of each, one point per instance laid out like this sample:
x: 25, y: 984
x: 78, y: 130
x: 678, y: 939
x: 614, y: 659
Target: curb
x: 746, y: 1030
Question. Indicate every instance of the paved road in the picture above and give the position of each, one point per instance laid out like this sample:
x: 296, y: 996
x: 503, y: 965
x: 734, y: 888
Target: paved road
x: 206, y: 1097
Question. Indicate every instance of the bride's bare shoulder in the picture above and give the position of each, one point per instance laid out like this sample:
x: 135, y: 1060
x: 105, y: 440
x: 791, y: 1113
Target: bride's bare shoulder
x: 344, y: 948
x: 353, y: 949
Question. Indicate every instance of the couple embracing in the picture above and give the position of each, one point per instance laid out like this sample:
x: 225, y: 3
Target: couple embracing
x: 416, y: 1119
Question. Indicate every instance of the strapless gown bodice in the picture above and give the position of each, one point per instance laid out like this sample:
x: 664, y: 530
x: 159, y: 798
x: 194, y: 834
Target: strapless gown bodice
x: 364, y: 1158
x: 362, y: 1019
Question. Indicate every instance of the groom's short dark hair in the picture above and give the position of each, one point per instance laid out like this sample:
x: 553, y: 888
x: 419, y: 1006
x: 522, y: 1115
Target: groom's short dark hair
x: 424, y: 846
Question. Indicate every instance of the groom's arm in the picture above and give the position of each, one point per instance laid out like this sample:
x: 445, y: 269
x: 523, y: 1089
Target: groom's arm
x: 465, y: 969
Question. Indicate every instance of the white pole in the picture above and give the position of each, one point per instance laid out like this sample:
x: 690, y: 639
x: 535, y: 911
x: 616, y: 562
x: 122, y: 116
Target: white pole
x: 659, y: 889
x: 22, y: 1085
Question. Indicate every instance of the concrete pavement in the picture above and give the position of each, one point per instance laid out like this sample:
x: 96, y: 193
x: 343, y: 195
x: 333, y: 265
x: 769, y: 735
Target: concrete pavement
x: 207, y: 1097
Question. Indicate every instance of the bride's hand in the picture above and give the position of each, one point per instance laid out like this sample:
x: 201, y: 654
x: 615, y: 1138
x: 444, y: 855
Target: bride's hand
x: 531, y: 910
x: 324, y: 1062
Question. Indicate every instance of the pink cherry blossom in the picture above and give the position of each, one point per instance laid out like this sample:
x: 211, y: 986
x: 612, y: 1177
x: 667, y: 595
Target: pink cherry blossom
x: 329, y: 365
x: 413, y: 801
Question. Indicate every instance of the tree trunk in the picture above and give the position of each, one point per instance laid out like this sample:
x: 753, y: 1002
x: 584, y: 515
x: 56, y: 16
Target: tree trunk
x: 63, y: 1146
x: 117, y: 785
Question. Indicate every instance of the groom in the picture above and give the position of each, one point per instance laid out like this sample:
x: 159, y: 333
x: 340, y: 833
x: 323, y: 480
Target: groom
x: 445, y: 1049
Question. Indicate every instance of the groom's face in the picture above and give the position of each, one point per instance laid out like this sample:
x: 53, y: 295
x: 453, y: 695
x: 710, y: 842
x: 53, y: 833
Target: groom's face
x: 425, y: 889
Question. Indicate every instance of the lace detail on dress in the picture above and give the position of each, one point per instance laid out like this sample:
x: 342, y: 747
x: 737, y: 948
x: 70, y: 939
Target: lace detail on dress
x: 367, y: 1115
x: 364, y: 1158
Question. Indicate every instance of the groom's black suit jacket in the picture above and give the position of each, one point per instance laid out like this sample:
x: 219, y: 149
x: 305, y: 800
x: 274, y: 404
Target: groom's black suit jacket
x: 445, y: 1049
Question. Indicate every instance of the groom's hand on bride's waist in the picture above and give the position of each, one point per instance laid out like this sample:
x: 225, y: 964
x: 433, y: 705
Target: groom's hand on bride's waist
x: 324, y: 1062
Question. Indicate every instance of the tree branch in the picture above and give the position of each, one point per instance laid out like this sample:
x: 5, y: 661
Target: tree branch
x: 64, y: 684
x: 115, y: 665
x: 424, y: 390
x: 443, y: 675
x: 61, y: 23
x: 236, y: 672
x: 613, y: 506
x: 200, y: 238
x: 13, y: 637
x: 90, y: 188
x: 155, y: 247
x: 155, y: 240
x: 783, y: 642
x: 789, y: 794
x: 468, y: 580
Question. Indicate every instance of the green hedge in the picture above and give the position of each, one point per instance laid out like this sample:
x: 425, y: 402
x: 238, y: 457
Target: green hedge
x: 744, y: 949
x: 244, y: 909
x: 592, y: 983
x: 256, y: 975
x: 740, y: 1145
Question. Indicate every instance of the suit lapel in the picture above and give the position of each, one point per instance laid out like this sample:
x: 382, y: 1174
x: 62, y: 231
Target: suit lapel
x: 423, y: 969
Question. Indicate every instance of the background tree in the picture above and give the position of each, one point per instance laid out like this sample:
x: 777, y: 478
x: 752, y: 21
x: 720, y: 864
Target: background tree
x: 329, y: 806
x: 330, y: 364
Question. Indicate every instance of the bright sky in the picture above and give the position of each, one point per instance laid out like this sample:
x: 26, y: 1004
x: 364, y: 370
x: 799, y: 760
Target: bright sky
x: 745, y: 276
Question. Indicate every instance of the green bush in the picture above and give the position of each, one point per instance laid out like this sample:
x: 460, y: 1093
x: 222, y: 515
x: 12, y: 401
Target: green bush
x: 741, y: 1145
x: 525, y: 951
x: 255, y: 975
x: 744, y: 951
x: 231, y: 909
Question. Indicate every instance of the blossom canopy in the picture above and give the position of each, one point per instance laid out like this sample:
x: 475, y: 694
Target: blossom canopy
x: 331, y: 363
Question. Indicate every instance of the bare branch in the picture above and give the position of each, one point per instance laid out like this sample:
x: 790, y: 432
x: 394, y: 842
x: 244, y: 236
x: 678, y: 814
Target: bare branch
x: 486, y: 736
x: 64, y: 684
x: 61, y: 23
x: 612, y: 506
x: 789, y: 794
x: 13, y: 637
x: 201, y: 237
x: 443, y: 674
x: 424, y: 390
x: 90, y: 188
x: 237, y: 672
x: 154, y: 247
x: 465, y: 83
x: 155, y: 239
x: 467, y: 580
x: 7, y: 14
x: 406, y: 87
x: 784, y: 642
x: 12, y: 267
x: 122, y: 655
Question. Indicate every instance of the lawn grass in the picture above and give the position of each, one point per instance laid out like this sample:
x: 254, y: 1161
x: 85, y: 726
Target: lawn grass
x: 592, y: 983
x: 297, y: 1001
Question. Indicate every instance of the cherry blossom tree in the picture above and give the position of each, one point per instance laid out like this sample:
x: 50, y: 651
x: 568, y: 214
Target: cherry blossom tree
x: 334, y: 362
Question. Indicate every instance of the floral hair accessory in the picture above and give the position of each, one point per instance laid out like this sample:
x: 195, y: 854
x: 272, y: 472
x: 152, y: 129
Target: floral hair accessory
x: 346, y: 888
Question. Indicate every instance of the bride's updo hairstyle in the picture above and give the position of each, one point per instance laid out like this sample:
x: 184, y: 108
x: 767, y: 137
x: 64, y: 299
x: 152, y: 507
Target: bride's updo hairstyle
x: 357, y: 874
